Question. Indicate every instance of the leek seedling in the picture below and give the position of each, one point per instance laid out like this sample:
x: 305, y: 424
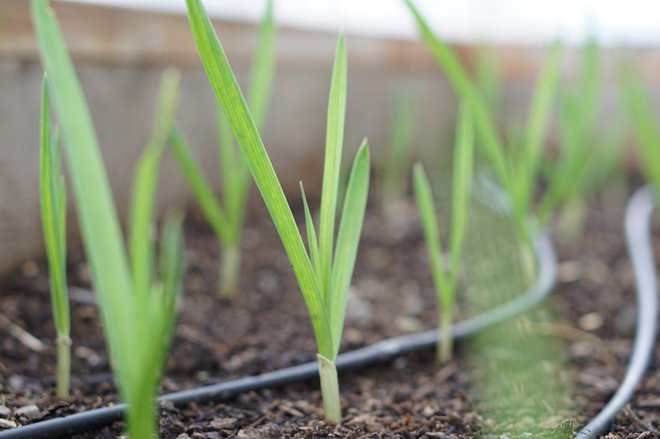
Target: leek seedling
x: 445, y: 272
x: 518, y: 167
x: 227, y: 218
x: 585, y: 158
x: 137, y: 300
x: 635, y: 97
x: 394, y: 175
x: 53, y: 218
x: 324, y: 273
x: 488, y: 78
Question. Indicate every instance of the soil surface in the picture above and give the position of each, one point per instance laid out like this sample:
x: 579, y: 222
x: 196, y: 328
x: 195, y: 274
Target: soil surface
x: 584, y: 335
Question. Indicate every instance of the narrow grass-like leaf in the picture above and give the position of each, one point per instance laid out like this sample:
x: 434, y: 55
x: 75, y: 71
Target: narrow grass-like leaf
x: 227, y: 214
x: 644, y: 122
x: 97, y: 215
x: 312, y: 241
x: 200, y: 186
x: 462, y: 186
x: 488, y: 78
x: 235, y: 177
x: 135, y: 322
x: 348, y: 238
x: 445, y: 274
x: 262, y: 71
x: 577, y: 169
x: 591, y: 83
x: 245, y: 131
x: 460, y: 80
x: 332, y: 164
x: 146, y: 178
x: 395, y: 174
x: 430, y: 225
x: 171, y: 276
x: 53, y: 218
x: 539, y: 117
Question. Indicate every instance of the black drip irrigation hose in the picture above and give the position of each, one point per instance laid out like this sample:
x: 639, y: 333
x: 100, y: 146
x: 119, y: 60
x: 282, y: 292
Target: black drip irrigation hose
x: 382, y: 351
x: 638, y: 240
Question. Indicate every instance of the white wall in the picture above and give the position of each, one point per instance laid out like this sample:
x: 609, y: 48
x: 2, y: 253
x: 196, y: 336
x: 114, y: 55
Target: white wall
x: 514, y: 21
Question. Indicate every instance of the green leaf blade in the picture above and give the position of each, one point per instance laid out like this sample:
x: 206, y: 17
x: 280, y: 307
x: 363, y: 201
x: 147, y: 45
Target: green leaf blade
x: 145, y: 184
x: 201, y: 188
x: 467, y: 91
x: 263, y: 68
x: 462, y: 184
x: 539, y: 116
x: 332, y: 164
x: 312, y: 241
x: 348, y: 238
x: 99, y: 222
x: 429, y: 220
x: 53, y: 218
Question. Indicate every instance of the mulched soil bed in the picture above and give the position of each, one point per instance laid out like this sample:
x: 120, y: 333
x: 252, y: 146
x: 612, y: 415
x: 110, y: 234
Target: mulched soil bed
x: 267, y: 328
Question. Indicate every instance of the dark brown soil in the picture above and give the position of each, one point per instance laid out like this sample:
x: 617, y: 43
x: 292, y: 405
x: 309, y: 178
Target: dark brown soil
x: 591, y: 318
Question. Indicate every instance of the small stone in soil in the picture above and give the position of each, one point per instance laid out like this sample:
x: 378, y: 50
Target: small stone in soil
x: 4, y: 411
x: 591, y: 321
x: 15, y: 383
x: 4, y: 423
x: 221, y: 423
x: 29, y: 411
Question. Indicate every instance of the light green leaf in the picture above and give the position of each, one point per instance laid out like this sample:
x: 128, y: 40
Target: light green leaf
x: 635, y: 96
x: 96, y: 211
x: 332, y: 164
x: 429, y: 220
x: 145, y: 183
x: 462, y: 184
x: 263, y: 68
x: 348, y: 239
x: 53, y: 217
x: 395, y: 174
x: 201, y: 188
x: 312, y: 242
x: 467, y: 91
x: 539, y: 117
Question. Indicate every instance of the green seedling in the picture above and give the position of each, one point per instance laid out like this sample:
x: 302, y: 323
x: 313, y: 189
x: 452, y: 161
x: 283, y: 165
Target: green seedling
x: 226, y: 217
x: 53, y: 218
x: 394, y: 175
x: 488, y: 78
x: 324, y: 273
x: 585, y: 157
x: 517, y: 167
x: 445, y: 271
x: 136, y: 296
x: 635, y: 96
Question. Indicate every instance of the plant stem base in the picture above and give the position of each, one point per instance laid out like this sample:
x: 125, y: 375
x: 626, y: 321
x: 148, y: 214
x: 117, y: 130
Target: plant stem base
x: 229, y: 274
x: 445, y: 348
x: 329, y: 389
x: 63, y: 365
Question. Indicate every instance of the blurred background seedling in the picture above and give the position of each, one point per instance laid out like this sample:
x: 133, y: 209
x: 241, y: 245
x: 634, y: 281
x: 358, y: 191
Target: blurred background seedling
x: 53, y: 218
x: 226, y: 214
x: 137, y: 296
x: 446, y: 269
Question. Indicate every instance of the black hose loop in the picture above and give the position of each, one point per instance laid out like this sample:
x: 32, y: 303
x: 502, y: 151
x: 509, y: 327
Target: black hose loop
x: 638, y: 239
x: 379, y: 352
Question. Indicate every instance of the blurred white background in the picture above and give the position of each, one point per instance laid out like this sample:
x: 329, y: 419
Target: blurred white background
x: 634, y: 22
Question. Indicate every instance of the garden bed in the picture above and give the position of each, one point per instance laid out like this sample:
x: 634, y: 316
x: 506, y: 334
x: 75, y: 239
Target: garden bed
x: 267, y: 328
